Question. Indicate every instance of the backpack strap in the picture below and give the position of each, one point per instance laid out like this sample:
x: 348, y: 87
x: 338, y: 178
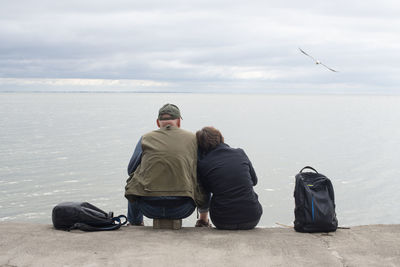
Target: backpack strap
x: 119, y: 219
x: 90, y: 228
x: 308, y: 167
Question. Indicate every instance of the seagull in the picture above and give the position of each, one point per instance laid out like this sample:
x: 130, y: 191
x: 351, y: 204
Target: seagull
x: 317, y: 61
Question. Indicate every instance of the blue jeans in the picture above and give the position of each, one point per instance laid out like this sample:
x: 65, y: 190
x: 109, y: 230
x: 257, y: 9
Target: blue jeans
x: 160, y: 208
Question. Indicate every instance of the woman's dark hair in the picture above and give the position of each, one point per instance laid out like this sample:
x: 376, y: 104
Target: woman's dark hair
x: 208, y: 138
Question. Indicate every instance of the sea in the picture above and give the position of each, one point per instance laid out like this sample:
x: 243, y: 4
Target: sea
x: 57, y: 147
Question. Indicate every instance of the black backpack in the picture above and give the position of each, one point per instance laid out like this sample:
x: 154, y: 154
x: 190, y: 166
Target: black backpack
x: 84, y: 216
x: 314, y: 203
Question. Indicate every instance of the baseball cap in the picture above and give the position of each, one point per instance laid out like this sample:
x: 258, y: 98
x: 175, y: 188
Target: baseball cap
x: 171, y: 110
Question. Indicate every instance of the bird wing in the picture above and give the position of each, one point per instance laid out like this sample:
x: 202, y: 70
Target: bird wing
x: 328, y: 67
x: 307, y: 54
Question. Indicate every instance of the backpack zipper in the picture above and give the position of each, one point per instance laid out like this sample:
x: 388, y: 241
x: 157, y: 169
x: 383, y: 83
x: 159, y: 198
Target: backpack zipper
x: 312, y: 207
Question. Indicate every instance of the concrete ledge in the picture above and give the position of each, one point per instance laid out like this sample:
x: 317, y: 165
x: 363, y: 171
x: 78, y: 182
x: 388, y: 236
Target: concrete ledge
x: 24, y: 244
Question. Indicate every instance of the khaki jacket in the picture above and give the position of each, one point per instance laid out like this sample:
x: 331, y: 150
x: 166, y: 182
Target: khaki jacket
x: 168, y: 166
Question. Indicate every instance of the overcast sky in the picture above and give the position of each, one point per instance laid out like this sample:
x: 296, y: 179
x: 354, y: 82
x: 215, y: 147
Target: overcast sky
x: 202, y: 46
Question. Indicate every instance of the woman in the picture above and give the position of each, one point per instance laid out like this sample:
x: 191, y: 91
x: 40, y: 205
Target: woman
x: 228, y: 175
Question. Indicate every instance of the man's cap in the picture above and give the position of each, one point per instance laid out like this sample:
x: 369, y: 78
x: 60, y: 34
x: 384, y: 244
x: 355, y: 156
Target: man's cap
x: 171, y: 110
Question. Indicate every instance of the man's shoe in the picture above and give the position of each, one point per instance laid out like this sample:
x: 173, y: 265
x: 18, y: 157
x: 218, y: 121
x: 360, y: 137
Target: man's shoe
x: 201, y: 223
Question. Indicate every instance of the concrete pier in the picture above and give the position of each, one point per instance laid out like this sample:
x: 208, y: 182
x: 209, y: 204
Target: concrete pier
x: 24, y: 244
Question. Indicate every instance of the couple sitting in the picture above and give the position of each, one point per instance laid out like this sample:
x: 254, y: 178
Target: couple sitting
x: 173, y: 171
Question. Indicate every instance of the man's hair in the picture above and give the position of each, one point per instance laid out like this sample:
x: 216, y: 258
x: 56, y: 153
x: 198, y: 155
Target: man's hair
x: 165, y: 117
x: 208, y: 139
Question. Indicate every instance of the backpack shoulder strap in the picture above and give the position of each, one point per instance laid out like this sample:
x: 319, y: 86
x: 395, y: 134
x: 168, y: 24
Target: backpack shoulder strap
x: 89, y: 228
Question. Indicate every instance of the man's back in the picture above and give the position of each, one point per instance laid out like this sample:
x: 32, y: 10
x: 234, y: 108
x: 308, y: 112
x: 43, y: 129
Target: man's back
x: 162, y: 170
x: 169, y: 161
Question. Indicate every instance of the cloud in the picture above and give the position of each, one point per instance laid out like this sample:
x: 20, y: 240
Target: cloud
x: 203, y: 44
x: 87, y: 85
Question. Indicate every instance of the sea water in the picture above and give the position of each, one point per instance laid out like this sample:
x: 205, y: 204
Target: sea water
x: 57, y: 147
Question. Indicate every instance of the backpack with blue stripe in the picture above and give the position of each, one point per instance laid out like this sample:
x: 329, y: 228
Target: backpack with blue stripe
x: 314, y: 203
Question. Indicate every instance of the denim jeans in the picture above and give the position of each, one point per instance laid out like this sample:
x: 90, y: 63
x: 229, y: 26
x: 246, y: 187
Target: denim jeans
x: 160, y: 208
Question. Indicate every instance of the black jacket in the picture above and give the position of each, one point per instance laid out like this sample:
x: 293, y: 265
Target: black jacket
x: 227, y: 173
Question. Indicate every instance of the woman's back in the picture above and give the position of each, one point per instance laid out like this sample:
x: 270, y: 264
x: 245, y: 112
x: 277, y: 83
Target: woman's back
x: 228, y: 174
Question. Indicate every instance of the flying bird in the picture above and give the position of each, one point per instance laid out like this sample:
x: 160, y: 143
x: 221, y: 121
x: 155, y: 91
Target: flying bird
x: 317, y: 61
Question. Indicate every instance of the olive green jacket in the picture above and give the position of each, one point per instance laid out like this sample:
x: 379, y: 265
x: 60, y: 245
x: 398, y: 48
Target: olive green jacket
x: 168, y: 166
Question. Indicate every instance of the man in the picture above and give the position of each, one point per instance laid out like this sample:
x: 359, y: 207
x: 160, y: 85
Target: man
x: 162, y: 170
